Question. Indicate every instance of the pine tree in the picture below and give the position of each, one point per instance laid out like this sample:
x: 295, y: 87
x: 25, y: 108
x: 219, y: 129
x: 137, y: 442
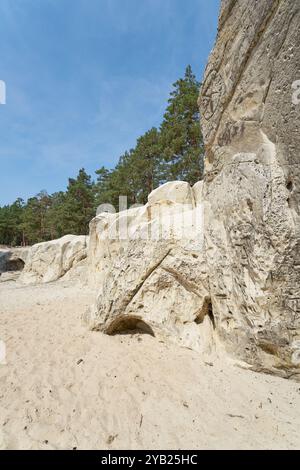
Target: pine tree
x: 103, y: 191
x: 174, y: 152
x: 10, y: 223
x: 55, y: 216
x: 121, y: 181
x: 181, y: 139
x: 34, y: 219
x: 146, y: 164
x: 79, y: 204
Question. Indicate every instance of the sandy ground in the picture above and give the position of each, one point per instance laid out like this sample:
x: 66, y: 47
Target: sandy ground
x: 64, y: 387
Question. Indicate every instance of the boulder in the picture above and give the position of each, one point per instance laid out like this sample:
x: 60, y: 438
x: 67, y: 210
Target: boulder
x: 49, y: 261
x: 149, y: 268
x: 179, y: 192
x: 250, y: 121
x: 12, y: 262
x: 78, y: 274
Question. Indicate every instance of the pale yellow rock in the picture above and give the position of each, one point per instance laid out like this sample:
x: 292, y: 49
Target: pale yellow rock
x: 250, y: 123
x: 12, y: 262
x: 3, y: 444
x: 198, y: 193
x: 49, y: 261
x: 247, y: 272
x: 148, y: 266
x: 175, y: 191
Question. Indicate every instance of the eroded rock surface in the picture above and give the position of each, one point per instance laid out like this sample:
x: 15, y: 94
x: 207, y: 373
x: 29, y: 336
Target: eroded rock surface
x: 250, y: 122
x: 49, y: 261
x: 149, y: 266
x: 12, y: 262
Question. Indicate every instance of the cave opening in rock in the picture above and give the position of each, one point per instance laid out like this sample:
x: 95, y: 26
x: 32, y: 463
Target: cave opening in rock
x: 15, y: 265
x: 129, y: 325
x: 207, y: 310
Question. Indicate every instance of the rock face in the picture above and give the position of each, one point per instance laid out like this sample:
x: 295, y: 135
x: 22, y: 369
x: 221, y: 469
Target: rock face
x: 49, y: 261
x: 250, y: 120
x: 12, y: 262
x: 220, y: 262
x: 148, y: 263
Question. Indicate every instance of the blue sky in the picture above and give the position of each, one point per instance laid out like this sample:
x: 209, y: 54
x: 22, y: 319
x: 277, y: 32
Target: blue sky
x: 85, y: 78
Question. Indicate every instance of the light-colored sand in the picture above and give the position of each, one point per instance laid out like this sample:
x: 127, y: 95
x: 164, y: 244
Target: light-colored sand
x: 65, y: 387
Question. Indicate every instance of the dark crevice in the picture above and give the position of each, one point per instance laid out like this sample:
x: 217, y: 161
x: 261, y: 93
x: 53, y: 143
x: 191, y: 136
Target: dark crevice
x: 15, y: 265
x: 129, y: 325
x: 210, y: 314
x: 207, y: 310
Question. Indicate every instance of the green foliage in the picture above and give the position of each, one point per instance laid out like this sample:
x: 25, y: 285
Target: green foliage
x: 146, y: 164
x: 79, y: 204
x: 181, y: 139
x: 34, y: 218
x: 172, y: 152
x: 11, y: 223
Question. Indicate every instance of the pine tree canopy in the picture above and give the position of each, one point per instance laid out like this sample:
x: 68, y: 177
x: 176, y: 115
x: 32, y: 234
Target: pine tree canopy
x: 175, y: 151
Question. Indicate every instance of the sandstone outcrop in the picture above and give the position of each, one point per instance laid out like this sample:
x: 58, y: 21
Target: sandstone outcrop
x: 49, y: 261
x: 235, y: 277
x: 148, y: 263
x: 12, y: 262
x: 250, y: 121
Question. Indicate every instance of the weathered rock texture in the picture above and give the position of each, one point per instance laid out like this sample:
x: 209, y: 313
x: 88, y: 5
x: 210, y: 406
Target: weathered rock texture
x: 49, y: 261
x: 12, y: 262
x: 148, y: 264
x: 242, y: 285
x: 252, y: 182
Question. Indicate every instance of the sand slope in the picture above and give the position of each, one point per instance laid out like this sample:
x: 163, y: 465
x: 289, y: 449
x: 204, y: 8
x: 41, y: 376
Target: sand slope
x: 64, y: 387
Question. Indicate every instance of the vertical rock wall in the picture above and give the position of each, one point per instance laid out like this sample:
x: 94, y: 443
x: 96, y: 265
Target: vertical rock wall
x: 250, y: 121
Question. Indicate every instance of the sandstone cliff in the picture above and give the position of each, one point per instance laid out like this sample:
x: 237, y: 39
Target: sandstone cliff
x: 219, y: 263
x: 242, y: 286
x: 250, y: 124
